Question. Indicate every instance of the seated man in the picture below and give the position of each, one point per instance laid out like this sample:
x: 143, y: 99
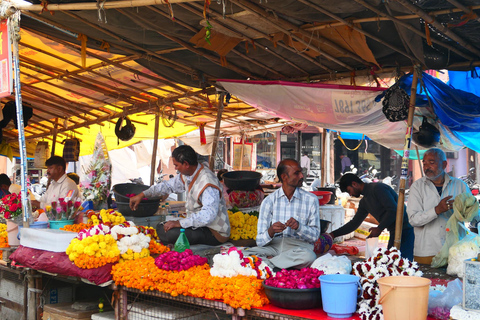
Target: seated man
x: 4, y: 185
x: 61, y: 186
x: 288, y: 223
x: 207, y: 219
x: 430, y: 203
x: 380, y: 200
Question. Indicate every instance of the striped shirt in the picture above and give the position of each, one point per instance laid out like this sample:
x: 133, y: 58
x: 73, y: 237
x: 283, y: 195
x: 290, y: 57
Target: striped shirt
x: 303, y: 207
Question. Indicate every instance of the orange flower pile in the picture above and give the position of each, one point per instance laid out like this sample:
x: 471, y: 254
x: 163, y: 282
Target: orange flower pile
x: 84, y: 261
x: 3, y: 237
x: 238, y: 292
x: 77, y: 227
x: 157, y: 248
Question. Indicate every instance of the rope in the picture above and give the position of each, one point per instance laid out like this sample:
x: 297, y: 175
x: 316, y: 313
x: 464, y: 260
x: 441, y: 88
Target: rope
x: 343, y: 142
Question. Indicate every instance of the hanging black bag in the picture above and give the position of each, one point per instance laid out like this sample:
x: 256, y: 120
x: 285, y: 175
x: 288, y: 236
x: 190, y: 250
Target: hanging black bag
x: 71, y: 149
x: 396, y: 103
x: 126, y: 132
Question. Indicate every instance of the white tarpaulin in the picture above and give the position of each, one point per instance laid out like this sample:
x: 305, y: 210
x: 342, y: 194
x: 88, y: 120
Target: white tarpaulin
x: 338, y: 107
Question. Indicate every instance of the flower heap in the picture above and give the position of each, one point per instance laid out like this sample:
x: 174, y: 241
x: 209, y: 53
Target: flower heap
x: 93, y: 248
x: 63, y: 210
x: 155, y: 247
x: 96, y: 187
x: 179, y: 261
x: 238, y: 291
x: 243, y: 225
x: 76, y: 227
x: 3, y: 237
x: 383, y: 263
x: 11, y: 206
x: 233, y: 263
x: 107, y: 217
x: 306, y: 278
x: 131, y: 243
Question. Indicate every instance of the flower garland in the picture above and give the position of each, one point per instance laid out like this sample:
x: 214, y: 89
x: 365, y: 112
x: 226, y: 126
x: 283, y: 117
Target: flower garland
x: 76, y: 227
x: 3, y: 238
x: 107, y: 217
x: 93, y: 251
x: 157, y: 248
x: 100, y: 229
x: 243, y: 225
x: 131, y: 243
x: 148, y: 231
x: 233, y: 263
x: 383, y: 263
x: 179, y: 261
x: 238, y: 292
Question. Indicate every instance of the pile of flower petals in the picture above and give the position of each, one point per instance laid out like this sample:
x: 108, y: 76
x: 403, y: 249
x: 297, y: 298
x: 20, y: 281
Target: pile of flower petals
x: 306, y: 278
x: 383, y: 263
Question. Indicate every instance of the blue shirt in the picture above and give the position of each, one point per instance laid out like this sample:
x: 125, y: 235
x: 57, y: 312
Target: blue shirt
x: 303, y: 207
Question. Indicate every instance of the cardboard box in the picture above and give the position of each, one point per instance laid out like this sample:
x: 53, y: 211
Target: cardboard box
x: 64, y: 311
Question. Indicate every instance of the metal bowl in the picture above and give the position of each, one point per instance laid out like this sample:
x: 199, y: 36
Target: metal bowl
x: 294, y: 298
x: 144, y: 209
x: 242, y: 180
x: 121, y: 190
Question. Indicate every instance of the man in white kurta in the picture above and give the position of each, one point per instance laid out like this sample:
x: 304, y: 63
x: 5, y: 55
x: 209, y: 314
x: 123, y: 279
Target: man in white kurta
x: 61, y: 186
x: 430, y: 203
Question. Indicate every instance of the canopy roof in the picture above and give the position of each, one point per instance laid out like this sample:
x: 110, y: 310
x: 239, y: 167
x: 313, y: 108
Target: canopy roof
x: 164, y: 57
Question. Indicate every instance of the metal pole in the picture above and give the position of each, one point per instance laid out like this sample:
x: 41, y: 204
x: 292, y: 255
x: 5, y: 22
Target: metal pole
x: 155, y: 147
x: 406, y: 156
x: 14, y: 21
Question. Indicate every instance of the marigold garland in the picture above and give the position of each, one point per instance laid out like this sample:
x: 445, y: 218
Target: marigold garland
x: 77, y: 227
x: 3, y: 238
x: 84, y: 261
x: 238, y: 292
x: 243, y: 225
x: 108, y: 217
x: 157, y: 248
x: 93, y: 248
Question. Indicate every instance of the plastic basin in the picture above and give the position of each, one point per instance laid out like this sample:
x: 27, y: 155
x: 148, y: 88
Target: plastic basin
x: 122, y: 189
x: 144, y: 209
x: 323, y: 196
x: 60, y: 224
x: 294, y: 298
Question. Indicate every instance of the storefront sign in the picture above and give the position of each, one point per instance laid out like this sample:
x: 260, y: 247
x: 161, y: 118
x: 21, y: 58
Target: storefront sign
x: 6, y: 79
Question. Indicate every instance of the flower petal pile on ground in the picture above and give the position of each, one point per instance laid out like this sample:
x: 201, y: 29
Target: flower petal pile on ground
x: 233, y: 263
x: 383, y: 263
x: 238, y: 291
x: 243, y: 225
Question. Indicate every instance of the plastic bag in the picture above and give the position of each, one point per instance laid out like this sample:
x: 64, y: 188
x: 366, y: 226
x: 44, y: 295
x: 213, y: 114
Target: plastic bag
x: 467, y: 248
x: 333, y: 264
x: 440, y: 303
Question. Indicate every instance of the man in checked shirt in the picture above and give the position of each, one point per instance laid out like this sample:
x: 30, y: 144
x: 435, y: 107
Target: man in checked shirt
x: 289, y: 222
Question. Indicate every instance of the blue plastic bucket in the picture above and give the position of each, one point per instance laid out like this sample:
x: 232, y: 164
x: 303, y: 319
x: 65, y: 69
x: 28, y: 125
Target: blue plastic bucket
x: 339, y: 294
x: 60, y: 224
x: 35, y: 225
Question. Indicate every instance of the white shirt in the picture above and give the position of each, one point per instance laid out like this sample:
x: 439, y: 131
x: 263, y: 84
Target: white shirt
x: 305, y: 163
x: 429, y: 227
x: 59, y: 189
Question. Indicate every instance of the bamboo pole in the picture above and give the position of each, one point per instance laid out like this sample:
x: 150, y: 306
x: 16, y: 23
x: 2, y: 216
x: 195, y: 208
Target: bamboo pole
x: 217, y: 130
x: 405, y: 159
x: 397, y: 20
x: 155, y: 147
x: 464, y: 8
x: 286, y: 26
x: 94, y: 6
x: 54, y: 137
x: 354, y: 27
x: 440, y: 27
x: 323, y: 161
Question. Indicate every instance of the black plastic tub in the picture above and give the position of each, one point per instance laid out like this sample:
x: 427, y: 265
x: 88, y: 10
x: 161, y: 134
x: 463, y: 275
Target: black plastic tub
x: 242, y: 180
x: 122, y: 189
x: 294, y: 298
x: 144, y: 209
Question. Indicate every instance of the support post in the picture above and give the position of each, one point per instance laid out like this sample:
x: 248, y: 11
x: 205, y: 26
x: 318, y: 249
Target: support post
x: 405, y: 159
x: 14, y: 21
x: 216, y: 135
x: 55, y: 127
x: 323, y: 161
x: 155, y: 147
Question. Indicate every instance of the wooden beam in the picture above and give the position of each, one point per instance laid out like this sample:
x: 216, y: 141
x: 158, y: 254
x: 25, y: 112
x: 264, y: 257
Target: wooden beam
x: 93, y: 6
x: 153, y: 166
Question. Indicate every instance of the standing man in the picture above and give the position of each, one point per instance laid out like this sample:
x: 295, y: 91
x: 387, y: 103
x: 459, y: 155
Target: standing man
x: 430, y: 202
x: 207, y: 219
x: 305, y: 164
x: 380, y: 200
x: 288, y: 223
x: 346, y: 162
x: 61, y: 186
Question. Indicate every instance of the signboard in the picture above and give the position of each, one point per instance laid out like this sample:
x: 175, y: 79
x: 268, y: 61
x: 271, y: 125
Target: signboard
x: 6, y: 79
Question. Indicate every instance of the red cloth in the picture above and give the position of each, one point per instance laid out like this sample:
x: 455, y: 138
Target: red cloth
x: 58, y: 262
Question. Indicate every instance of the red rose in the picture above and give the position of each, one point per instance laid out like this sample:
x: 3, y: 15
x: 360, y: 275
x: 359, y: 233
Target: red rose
x: 7, y: 215
x: 13, y: 208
